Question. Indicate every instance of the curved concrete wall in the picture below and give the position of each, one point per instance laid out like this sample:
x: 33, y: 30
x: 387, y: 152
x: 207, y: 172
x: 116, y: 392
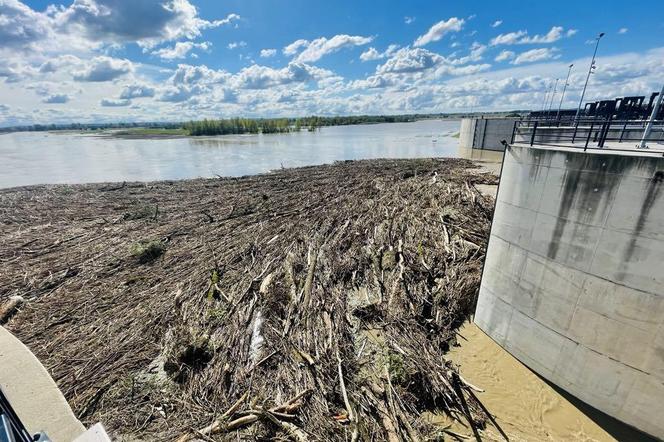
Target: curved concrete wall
x: 573, y: 284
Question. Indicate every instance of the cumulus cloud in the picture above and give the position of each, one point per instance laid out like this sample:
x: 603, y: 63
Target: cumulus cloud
x: 177, y: 94
x: 504, y: 56
x: 509, y: 38
x: 20, y: 26
x: 180, y: 50
x: 316, y: 49
x: 623, y: 31
x: 198, y: 75
x: 57, y: 63
x: 146, y: 22
x: 373, y: 54
x: 104, y: 68
x: 294, y: 47
x: 263, y: 77
x: 136, y: 91
x: 536, y: 55
x: 496, y: 23
x: 267, y: 53
x: 56, y: 99
x: 439, y: 30
x: 409, y: 60
x: 522, y: 37
x: 111, y: 102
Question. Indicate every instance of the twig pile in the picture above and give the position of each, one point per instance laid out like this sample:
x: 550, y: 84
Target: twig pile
x: 306, y: 304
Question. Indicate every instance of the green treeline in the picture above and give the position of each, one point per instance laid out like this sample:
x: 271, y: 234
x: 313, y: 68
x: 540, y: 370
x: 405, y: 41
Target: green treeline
x: 238, y: 126
x: 281, y: 125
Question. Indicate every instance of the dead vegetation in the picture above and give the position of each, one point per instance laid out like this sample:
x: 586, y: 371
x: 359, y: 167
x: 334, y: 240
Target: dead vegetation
x: 306, y: 304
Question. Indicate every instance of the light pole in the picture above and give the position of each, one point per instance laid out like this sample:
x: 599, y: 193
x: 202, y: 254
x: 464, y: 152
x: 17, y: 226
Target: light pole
x: 560, y: 105
x: 555, y: 86
x: 590, y: 71
x: 651, y: 120
x: 546, y: 99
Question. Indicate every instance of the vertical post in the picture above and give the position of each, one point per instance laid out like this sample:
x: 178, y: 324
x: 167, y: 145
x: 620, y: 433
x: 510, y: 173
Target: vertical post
x: 576, y: 126
x: 590, y: 132
x: 532, y: 137
x: 560, y: 105
x: 622, y: 132
x: 513, y: 131
x: 590, y: 71
x: 605, y: 132
x: 651, y: 120
x: 553, y: 94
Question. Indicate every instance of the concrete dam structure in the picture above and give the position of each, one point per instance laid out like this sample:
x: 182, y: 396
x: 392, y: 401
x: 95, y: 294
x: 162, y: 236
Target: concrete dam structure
x: 480, y: 139
x: 573, y: 283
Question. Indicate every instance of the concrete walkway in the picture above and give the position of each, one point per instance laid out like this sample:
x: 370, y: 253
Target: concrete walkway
x: 33, y: 394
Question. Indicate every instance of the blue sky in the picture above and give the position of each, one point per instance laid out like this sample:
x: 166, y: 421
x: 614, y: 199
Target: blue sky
x: 138, y: 60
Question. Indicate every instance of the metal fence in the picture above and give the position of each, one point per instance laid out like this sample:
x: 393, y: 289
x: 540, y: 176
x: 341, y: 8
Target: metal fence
x: 588, y: 133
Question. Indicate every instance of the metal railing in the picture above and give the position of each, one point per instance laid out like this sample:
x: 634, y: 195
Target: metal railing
x: 588, y: 133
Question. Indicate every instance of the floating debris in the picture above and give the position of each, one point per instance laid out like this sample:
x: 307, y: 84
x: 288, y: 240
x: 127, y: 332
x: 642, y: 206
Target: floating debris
x: 306, y: 304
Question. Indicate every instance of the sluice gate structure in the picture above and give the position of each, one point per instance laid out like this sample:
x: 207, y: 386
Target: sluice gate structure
x: 573, y: 283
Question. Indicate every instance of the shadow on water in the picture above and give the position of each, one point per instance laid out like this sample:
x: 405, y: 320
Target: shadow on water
x: 617, y: 429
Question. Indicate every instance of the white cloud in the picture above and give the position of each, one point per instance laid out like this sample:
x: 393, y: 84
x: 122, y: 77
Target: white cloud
x: 408, y: 20
x: 198, y: 75
x: 373, y: 54
x: 267, y: 53
x: 408, y: 60
x: 438, y: 31
x: 263, y: 77
x: 180, y: 50
x: 20, y: 26
x: 137, y: 91
x: 555, y: 34
x: 56, y: 99
x: 496, y: 23
x: 111, y: 102
x: 104, y: 68
x: 623, y: 31
x: 316, y: 49
x: 57, y: 63
x: 146, y: 22
x: 294, y: 47
x: 522, y: 37
x: 505, y: 55
x: 236, y: 44
x: 507, y: 39
x: 536, y: 55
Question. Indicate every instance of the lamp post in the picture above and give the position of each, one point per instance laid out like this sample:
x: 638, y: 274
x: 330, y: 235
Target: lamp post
x: 555, y: 86
x: 651, y: 120
x: 590, y: 71
x: 546, y: 99
x: 560, y: 105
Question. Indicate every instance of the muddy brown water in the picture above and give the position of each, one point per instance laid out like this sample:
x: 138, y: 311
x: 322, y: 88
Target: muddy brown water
x: 525, y: 405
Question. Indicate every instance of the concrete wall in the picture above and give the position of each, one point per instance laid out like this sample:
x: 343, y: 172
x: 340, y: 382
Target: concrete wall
x: 573, y: 284
x: 485, y: 134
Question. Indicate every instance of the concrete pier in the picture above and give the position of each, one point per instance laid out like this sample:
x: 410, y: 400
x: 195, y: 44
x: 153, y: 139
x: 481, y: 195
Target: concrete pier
x: 573, y: 284
x: 480, y: 138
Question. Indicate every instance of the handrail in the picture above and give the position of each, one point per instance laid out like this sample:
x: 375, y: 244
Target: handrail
x: 587, y: 133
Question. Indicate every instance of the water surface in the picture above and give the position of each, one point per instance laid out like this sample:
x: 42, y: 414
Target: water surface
x: 47, y: 158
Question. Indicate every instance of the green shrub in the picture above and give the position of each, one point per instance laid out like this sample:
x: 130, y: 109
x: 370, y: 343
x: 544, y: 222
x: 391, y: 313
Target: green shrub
x: 148, y: 251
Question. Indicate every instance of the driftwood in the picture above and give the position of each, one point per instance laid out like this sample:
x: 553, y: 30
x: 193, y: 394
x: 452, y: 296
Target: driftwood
x: 350, y: 280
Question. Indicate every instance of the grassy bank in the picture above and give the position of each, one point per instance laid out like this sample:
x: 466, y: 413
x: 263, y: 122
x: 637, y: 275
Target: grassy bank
x: 313, y: 303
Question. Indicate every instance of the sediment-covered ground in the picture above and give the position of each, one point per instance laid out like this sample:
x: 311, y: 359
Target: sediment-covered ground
x: 305, y: 304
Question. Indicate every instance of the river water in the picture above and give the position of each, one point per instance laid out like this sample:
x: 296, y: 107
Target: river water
x: 50, y: 157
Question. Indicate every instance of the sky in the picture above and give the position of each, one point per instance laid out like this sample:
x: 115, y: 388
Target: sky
x: 177, y: 60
